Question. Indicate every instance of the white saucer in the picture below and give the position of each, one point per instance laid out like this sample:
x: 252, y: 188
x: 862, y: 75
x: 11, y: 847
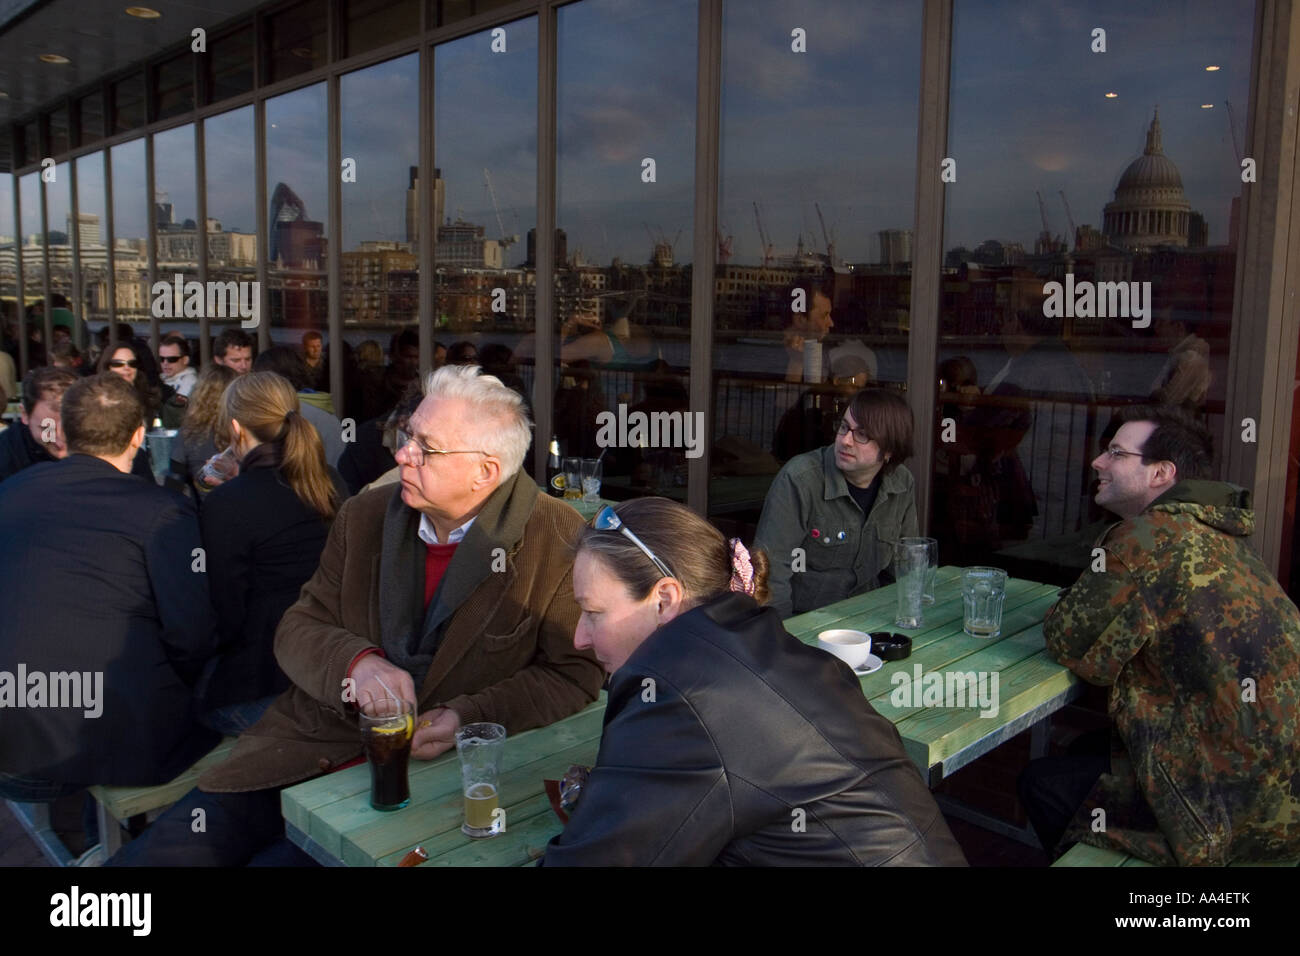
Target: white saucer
x: 872, y: 665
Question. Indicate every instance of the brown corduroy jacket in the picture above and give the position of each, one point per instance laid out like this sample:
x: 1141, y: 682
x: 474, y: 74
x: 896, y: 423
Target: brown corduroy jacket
x: 506, y: 651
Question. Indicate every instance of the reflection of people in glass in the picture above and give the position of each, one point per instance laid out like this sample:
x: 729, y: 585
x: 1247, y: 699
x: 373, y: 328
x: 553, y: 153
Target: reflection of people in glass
x: 838, y: 511
x: 313, y: 354
x: 462, y: 353
x: 615, y: 344
x: 1185, y: 377
x: 810, y: 325
x: 403, y: 366
x: 983, y: 498
x: 812, y: 420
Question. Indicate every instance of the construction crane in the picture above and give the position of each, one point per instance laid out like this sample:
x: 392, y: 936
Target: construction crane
x: 1232, y: 128
x: 1042, y: 211
x: 724, y: 245
x: 501, y: 226
x: 830, y: 243
x: 1074, y: 230
x: 763, y: 238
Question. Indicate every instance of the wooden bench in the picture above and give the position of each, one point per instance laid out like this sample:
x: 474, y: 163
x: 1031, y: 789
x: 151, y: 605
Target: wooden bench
x: 119, y: 804
x: 1081, y: 854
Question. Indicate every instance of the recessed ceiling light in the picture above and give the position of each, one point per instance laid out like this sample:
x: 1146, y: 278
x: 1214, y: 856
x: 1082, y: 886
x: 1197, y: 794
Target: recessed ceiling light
x: 1111, y: 96
x: 144, y: 13
x: 303, y: 52
x: 1207, y: 106
x: 1211, y: 69
x: 54, y: 58
x: 3, y: 95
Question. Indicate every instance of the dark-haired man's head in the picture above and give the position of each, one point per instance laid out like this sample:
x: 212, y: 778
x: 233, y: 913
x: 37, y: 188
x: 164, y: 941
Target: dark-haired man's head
x: 173, y: 354
x: 43, y: 390
x: 462, y: 353
x: 312, y: 345
x: 104, y: 417
x: 813, y: 321
x: 233, y: 348
x: 405, y: 354
x: 285, y: 361
x: 1152, y: 449
x: 874, y: 436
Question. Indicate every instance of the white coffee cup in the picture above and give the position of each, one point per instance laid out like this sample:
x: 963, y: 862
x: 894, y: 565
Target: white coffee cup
x: 852, y: 647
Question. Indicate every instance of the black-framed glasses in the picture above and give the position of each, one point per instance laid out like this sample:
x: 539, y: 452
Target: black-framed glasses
x: 859, y: 434
x: 1115, y: 453
x: 416, y: 451
x: 607, y: 519
x: 168, y: 359
x: 123, y: 363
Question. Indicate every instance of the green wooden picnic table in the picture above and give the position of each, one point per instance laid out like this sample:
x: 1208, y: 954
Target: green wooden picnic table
x: 331, y: 818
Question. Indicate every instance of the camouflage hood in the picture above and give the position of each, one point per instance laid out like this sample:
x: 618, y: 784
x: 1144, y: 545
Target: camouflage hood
x: 1222, y: 506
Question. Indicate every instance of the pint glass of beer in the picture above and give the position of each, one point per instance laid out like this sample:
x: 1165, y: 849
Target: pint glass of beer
x: 480, y: 747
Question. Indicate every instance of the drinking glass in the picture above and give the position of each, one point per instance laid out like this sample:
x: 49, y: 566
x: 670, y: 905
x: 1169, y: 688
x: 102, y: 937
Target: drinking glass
x: 481, y: 747
x: 911, y: 560
x: 572, y: 468
x: 159, y: 443
x: 983, y: 591
x: 932, y: 554
x: 592, y: 471
x: 387, y: 726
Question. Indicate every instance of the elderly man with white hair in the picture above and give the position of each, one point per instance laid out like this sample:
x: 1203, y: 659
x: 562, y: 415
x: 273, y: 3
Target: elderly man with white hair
x: 452, y: 589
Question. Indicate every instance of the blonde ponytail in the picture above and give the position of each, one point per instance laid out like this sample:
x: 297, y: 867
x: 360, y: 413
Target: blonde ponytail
x: 266, y: 405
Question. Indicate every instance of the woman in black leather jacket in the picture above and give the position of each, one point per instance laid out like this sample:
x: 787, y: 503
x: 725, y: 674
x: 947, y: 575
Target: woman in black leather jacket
x: 726, y: 740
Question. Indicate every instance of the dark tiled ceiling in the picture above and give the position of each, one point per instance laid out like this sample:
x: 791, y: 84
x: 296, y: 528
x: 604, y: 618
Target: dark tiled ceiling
x: 98, y: 36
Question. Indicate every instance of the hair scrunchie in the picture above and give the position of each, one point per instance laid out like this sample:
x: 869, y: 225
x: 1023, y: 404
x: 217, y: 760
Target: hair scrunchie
x: 742, y: 568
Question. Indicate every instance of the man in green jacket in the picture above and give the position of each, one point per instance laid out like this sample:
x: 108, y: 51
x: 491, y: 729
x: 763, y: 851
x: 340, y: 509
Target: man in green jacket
x: 1201, y: 649
x: 833, y: 515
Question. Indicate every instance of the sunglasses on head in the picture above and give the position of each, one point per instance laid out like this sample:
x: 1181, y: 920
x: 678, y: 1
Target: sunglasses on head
x: 608, y: 520
x: 123, y: 363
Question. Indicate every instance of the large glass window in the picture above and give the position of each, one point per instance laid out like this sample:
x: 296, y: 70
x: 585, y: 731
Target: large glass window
x: 8, y: 269
x: 57, y: 124
x: 443, y: 12
x: 33, y: 264
x: 229, y: 64
x: 375, y: 23
x: 173, y: 86
x: 30, y: 137
x: 815, y: 213
x: 1090, y: 251
x: 295, y: 40
x: 380, y: 281
x: 90, y: 118
x: 296, y: 177
x: 128, y: 103
x: 231, y: 228
x: 484, y: 200
x: 131, y: 208
x: 175, y: 214
x: 92, y: 221
x: 58, y: 240
x: 624, y: 212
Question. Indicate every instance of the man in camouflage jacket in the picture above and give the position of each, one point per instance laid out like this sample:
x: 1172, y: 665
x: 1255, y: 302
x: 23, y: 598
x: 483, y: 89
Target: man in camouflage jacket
x: 1201, y: 649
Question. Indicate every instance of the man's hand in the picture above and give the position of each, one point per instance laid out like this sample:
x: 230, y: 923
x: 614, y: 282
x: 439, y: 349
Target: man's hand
x: 435, y: 733
x: 372, y: 669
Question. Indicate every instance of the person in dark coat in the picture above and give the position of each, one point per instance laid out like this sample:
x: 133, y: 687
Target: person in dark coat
x: 726, y: 740
x: 263, y: 531
x: 115, y: 615
x: 200, y: 433
x: 39, y: 436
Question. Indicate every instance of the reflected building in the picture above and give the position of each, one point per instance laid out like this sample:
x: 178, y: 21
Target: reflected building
x: 1149, y: 208
x: 895, y: 247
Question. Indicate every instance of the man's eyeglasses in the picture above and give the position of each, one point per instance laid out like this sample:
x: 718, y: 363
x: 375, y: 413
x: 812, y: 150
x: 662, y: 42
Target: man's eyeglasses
x: 168, y: 359
x: 608, y: 520
x: 1116, y: 453
x: 123, y: 363
x: 416, y: 451
x: 859, y: 434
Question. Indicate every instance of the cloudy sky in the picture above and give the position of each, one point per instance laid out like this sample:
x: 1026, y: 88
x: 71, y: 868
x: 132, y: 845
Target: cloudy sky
x: 835, y: 126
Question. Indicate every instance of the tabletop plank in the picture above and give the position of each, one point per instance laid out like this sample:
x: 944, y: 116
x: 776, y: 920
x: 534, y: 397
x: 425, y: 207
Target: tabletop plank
x: 336, y: 807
